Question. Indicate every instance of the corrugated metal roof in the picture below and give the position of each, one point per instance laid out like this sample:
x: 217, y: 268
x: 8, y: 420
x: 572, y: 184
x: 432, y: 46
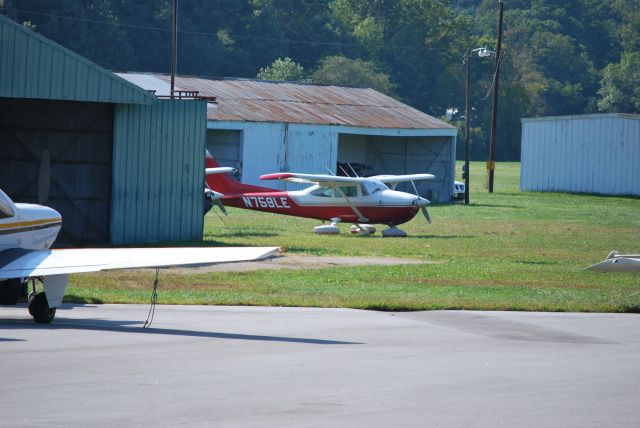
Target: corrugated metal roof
x: 32, y: 66
x: 630, y: 116
x: 273, y: 101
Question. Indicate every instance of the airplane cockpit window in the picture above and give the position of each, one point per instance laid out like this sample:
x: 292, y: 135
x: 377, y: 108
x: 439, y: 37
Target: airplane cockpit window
x: 363, y: 190
x: 374, y: 186
x: 324, y: 192
x: 349, y: 191
x: 6, y: 208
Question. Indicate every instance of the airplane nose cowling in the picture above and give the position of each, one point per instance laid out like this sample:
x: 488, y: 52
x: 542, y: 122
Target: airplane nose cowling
x: 421, y: 202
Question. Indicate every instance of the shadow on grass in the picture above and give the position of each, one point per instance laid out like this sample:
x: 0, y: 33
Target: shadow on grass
x: 251, y: 234
x: 77, y: 300
x: 498, y: 206
x: 635, y: 309
x: 439, y: 237
x: 541, y: 263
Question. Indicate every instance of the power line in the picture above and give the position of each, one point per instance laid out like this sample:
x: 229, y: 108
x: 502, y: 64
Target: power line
x: 233, y: 36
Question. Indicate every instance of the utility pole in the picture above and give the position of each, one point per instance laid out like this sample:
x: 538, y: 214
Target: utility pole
x: 174, y: 46
x: 467, y: 112
x: 491, y: 164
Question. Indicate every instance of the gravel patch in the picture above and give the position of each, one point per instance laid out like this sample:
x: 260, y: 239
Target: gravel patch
x: 287, y: 261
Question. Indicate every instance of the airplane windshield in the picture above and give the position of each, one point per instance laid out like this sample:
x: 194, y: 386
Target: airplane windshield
x: 324, y: 192
x: 6, y: 207
x: 374, y: 186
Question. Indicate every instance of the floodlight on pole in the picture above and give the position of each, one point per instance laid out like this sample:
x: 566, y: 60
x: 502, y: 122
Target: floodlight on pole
x: 482, y: 53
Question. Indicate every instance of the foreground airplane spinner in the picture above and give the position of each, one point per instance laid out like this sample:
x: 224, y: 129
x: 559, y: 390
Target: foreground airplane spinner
x: 28, y: 230
x: 357, y: 200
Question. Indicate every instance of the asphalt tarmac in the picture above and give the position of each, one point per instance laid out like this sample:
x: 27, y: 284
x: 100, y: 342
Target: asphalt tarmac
x: 254, y: 366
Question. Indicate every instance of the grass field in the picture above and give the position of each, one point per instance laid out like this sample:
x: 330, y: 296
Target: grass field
x: 505, y: 251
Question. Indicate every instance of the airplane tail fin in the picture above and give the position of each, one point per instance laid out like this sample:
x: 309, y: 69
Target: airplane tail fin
x: 226, y: 185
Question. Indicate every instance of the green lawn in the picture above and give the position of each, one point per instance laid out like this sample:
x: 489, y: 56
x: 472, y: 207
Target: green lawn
x: 505, y: 251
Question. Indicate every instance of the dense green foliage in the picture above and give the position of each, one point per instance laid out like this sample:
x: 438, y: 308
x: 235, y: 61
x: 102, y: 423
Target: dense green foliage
x: 569, y: 57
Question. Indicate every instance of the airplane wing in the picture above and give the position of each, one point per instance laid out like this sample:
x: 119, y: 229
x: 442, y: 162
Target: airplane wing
x: 395, y: 179
x: 18, y: 263
x: 618, y: 263
x: 322, y: 179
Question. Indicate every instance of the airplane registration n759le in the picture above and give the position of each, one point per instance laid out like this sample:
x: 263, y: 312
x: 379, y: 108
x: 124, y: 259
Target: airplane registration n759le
x: 27, y: 232
x: 359, y: 200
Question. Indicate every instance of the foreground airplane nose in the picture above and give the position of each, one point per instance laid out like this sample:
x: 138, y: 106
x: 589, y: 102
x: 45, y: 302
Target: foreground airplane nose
x: 421, y: 202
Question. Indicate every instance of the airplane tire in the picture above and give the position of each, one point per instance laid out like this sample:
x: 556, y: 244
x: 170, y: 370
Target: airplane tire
x: 10, y: 291
x: 40, y: 310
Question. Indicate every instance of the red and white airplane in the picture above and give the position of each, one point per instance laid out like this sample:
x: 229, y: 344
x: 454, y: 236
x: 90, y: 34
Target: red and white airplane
x: 27, y: 232
x: 359, y: 200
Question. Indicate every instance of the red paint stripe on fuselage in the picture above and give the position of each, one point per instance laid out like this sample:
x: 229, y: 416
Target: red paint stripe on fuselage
x: 282, y: 203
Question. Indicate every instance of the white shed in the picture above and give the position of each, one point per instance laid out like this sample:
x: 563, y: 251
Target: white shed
x: 264, y: 127
x: 597, y: 153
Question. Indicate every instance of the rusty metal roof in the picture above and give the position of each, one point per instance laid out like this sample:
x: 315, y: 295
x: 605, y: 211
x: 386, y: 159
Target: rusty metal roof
x: 274, y: 101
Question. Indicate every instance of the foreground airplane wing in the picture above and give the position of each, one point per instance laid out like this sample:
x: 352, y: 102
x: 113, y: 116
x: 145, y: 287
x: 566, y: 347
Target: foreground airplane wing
x: 618, y: 263
x: 54, y: 266
x: 18, y: 263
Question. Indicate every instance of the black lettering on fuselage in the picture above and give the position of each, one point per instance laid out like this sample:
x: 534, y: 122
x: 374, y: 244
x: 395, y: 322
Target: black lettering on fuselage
x: 265, y: 202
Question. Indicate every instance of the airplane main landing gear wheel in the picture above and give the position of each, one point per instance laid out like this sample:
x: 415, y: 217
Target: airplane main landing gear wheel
x: 40, y: 310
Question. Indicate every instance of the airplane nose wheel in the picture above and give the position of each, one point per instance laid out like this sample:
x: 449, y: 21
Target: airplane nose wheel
x: 394, y: 232
x: 39, y: 307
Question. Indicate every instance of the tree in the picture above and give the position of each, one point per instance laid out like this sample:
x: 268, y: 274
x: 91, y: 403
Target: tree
x: 344, y: 71
x: 620, y: 85
x: 419, y: 43
x: 282, y: 69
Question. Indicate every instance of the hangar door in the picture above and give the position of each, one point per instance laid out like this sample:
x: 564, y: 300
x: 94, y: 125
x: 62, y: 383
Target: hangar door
x: 79, y: 139
x: 376, y: 155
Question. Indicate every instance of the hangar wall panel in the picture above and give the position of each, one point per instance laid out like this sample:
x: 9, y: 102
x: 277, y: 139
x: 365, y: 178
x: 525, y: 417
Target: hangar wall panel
x: 158, y: 172
x: 312, y: 148
x: 32, y: 66
x: 583, y: 154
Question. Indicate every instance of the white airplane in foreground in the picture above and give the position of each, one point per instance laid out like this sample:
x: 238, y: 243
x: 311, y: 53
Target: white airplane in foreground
x: 27, y: 232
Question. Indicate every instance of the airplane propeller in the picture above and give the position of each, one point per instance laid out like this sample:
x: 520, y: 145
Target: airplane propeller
x: 422, y: 203
x: 215, y: 197
x: 425, y: 213
x: 44, y: 178
x: 220, y: 205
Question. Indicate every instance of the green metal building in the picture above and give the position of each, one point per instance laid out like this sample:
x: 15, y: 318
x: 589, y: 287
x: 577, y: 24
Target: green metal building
x: 126, y: 167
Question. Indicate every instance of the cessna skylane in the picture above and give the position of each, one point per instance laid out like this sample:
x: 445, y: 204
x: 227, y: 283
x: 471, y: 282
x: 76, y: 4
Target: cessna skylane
x: 27, y: 232
x: 362, y: 201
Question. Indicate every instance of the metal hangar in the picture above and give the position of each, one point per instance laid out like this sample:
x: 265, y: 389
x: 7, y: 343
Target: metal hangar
x: 593, y: 153
x: 126, y: 166
x: 272, y: 126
